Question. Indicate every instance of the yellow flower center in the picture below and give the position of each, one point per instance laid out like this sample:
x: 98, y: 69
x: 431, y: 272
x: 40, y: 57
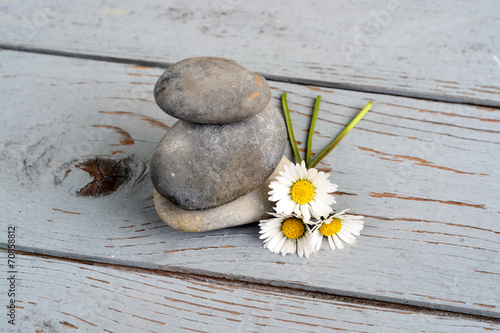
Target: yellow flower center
x: 302, y: 192
x: 293, y: 228
x: 332, y: 228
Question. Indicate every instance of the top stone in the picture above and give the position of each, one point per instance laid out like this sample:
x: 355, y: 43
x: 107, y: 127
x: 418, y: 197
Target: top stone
x: 210, y: 90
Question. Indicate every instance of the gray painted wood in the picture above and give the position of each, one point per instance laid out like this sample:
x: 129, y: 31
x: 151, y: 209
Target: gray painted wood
x: 63, y: 296
x: 426, y: 175
x: 446, y: 50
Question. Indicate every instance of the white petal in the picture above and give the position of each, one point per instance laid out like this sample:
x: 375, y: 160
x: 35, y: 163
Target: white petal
x: 289, y: 177
x: 300, y: 247
x: 306, y: 246
x: 281, y: 189
x: 268, y: 226
x: 351, y: 230
x: 287, y: 170
x: 280, y: 244
x: 294, y: 172
x: 314, y: 208
x: 289, y: 206
x: 269, y: 233
x: 302, y: 170
x: 296, y: 210
x: 346, y: 237
x: 308, y: 249
x: 330, y: 242
x: 305, y: 212
x: 323, y: 210
x: 290, y: 247
x: 338, y: 242
x: 319, y: 178
x: 324, y: 198
x: 317, y: 240
x: 273, y: 241
x: 273, y: 214
x: 343, y: 211
x: 284, y: 246
x: 311, y: 173
x: 356, y: 226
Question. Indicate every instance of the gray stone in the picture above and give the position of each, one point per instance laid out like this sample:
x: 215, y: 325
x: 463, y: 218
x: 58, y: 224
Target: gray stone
x: 246, y: 209
x: 209, y: 90
x: 200, y: 166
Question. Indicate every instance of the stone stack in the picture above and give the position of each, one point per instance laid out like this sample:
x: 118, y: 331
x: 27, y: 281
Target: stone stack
x: 227, y: 142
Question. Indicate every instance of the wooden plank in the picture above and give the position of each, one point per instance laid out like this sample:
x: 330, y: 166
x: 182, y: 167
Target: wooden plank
x: 447, y: 51
x: 426, y: 175
x: 61, y: 295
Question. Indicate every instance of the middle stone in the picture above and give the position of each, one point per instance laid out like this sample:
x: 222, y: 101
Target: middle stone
x: 199, y: 166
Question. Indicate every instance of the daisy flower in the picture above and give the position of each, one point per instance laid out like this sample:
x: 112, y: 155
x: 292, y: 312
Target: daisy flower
x: 302, y: 192
x: 337, y: 228
x: 286, y: 234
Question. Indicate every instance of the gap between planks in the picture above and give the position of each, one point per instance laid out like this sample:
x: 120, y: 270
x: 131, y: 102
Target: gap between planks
x: 277, y: 78
x: 255, y: 285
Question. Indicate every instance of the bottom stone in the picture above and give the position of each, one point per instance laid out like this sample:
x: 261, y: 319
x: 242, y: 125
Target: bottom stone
x: 246, y: 209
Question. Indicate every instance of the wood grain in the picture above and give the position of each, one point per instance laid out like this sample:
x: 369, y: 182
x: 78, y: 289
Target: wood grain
x: 445, y: 51
x: 425, y: 174
x: 62, y: 296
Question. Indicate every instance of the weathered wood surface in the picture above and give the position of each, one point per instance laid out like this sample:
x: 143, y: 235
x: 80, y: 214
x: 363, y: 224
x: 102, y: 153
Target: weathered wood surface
x: 446, y: 50
x: 426, y: 175
x: 65, y: 296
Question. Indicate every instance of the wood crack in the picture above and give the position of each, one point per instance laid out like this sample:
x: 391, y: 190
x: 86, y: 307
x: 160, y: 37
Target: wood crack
x: 264, y: 287
x: 448, y: 202
x: 381, y: 90
x: 420, y: 161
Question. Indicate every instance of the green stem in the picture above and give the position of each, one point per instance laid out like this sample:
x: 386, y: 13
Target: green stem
x: 342, y: 134
x: 290, y: 129
x: 311, y: 131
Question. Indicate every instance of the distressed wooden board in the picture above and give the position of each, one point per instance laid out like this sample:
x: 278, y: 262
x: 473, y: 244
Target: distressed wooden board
x: 426, y: 175
x: 446, y: 51
x: 63, y: 296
